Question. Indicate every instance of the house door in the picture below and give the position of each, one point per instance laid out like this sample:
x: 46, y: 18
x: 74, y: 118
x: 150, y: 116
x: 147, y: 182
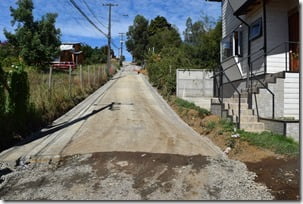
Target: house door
x: 293, y: 22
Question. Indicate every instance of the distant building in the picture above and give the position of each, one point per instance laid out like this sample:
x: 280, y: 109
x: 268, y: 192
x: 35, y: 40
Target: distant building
x: 71, y: 52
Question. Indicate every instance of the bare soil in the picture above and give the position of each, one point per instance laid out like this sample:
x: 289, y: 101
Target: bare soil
x: 280, y: 173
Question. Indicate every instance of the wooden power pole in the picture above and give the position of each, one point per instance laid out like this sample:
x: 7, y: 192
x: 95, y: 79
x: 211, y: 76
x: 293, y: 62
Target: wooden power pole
x: 110, y: 5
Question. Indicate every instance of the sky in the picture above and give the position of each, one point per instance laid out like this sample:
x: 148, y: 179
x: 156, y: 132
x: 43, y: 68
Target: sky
x: 75, y: 28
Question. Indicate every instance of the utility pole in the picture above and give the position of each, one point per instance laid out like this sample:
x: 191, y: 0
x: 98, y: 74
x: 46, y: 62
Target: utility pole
x: 110, y: 5
x: 121, y: 41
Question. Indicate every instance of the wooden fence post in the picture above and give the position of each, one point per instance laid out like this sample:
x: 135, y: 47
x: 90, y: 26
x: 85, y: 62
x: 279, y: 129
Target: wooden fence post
x: 70, y: 80
x: 81, y: 77
x: 88, y: 75
x: 94, y: 75
x: 50, y: 80
x: 99, y: 78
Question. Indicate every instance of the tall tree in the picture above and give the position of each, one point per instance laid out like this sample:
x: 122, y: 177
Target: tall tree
x: 197, y: 31
x: 137, y: 38
x: 158, y: 24
x: 162, y: 34
x: 164, y: 38
x: 37, y: 42
x: 188, y: 31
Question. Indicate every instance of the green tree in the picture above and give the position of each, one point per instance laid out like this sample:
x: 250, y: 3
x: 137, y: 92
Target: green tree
x: 95, y: 55
x: 8, y: 54
x: 164, y: 38
x: 162, y: 68
x: 162, y: 34
x: 157, y: 25
x: 197, y: 31
x: 188, y: 31
x: 204, y: 50
x: 137, y: 38
x: 37, y: 42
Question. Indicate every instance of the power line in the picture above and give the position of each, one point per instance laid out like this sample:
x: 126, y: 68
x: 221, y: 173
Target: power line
x: 92, y: 12
x: 72, y: 16
x: 87, y: 18
x: 114, y: 44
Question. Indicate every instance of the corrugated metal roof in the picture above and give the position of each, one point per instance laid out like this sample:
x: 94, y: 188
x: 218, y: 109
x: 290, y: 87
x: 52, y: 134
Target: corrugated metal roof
x: 70, y: 43
x: 66, y: 47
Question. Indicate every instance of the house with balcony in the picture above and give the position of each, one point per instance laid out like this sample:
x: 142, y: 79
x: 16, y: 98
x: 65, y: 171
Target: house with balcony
x: 257, y: 84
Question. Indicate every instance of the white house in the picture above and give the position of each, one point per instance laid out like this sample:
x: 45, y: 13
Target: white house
x: 257, y: 85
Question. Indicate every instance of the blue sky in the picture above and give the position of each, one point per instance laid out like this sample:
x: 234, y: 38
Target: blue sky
x: 74, y: 28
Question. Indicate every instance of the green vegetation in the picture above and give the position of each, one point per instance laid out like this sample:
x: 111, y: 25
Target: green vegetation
x: 158, y: 45
x: 36, y: 42
x: 95, y: 55
x: 268, y: 140
x: 185, y: 104
x: 137, y: 39
x: 278, y: 143
x: 28, y: 104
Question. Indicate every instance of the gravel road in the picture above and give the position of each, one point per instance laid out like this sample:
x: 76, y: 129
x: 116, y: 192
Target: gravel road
x: 123, y: 143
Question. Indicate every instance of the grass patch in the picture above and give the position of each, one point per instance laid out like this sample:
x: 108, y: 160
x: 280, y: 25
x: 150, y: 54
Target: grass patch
x: 189, y: 105
x: 275, y: 142
x: 279, y: 144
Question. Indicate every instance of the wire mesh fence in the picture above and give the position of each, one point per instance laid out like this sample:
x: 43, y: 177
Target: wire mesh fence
x: 58, y: 90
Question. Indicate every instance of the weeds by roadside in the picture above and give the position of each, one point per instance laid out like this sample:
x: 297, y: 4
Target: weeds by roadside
x: 225, y: 129
x: 189, y: 105
x: 275, y: 142
x: 48, y: 103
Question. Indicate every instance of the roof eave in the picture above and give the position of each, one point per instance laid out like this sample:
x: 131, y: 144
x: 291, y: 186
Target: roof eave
x: 243, y: 9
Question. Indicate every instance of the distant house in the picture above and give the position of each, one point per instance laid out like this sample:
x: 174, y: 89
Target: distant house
x: 71, y: 52
x: 259, y: 65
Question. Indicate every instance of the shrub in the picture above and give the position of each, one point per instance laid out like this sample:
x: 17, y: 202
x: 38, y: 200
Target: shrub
x: 19, y: 96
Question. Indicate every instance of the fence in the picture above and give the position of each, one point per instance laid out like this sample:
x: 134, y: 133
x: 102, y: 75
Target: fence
x: 58, y: 86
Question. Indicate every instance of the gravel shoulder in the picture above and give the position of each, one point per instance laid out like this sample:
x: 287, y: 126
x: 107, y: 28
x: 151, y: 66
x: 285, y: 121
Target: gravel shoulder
x: 134, y: 176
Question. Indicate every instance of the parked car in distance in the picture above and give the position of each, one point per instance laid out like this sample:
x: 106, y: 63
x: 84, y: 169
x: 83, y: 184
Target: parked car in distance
x: 64, y: 65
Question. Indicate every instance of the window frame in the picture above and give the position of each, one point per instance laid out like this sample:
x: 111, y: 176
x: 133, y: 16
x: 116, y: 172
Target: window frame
x: 258, y: 33
x: 236, y: 42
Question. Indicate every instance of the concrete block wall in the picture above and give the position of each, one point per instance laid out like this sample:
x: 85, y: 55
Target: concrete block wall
x: 264, y: 100
x: 293, y: 131
x: 286, y: 98
x: 274, y: 126
x: 194, y: 83
x: 289, y: 129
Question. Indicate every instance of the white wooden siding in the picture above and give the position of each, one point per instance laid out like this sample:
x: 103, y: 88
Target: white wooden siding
x: 291, y: 95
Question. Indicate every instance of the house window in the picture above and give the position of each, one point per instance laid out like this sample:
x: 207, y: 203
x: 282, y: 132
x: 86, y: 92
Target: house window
x: 238, y: 43
x: 256, y: 29
x: 231, y: 45
x: 227, y: 47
